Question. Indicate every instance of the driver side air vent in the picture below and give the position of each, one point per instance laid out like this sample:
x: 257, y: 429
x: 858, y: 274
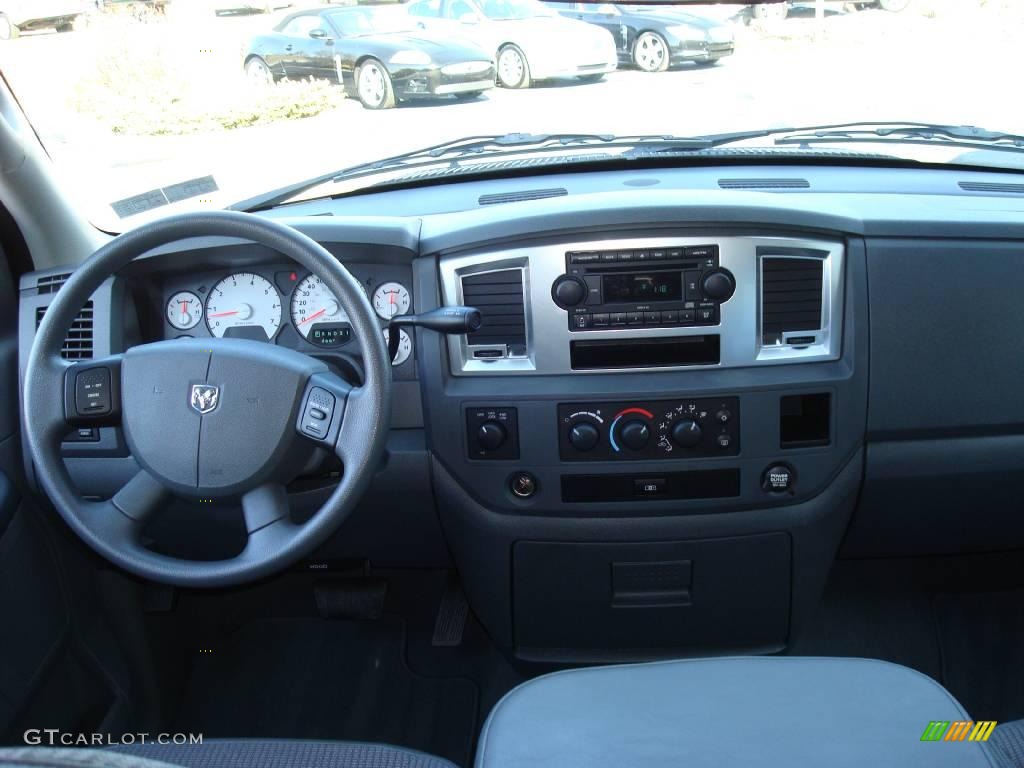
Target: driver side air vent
x: 764, y: 184
x: 791, y: 296
x: 499, y: 297
x: 524, y: 194
x: 78, y: 343
x: 51, y: 283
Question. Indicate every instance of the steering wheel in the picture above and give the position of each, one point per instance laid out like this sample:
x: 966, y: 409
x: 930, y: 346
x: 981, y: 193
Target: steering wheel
x: 208, y: 418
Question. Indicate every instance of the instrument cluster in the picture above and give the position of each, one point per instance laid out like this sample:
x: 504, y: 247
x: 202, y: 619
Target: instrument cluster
x: 284, y: 306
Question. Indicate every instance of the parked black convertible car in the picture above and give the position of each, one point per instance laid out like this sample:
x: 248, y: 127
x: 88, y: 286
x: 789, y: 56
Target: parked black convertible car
x: 652, y: 38
x: 376, y: 53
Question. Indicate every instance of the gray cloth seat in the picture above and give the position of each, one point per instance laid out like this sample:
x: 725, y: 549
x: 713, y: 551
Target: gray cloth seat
x: 226, y: 753
x: 1008, y: 743
x: 777, y: 712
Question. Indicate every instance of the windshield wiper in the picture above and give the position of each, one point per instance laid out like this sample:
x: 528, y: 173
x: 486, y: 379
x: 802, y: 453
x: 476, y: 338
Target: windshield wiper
x: 461, y: 149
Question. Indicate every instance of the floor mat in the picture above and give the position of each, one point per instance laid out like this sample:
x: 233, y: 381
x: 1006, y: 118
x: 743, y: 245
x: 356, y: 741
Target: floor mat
x: 981, y: 636
x: 338, y: 680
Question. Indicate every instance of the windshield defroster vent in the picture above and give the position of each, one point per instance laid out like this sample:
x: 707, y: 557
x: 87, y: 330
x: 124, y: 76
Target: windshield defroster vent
x: 764, y: 184
x: 525, y: 194
x: 791, y: 296
x: 499, y: 297
x: 992, y: 186
x: 78, y: 343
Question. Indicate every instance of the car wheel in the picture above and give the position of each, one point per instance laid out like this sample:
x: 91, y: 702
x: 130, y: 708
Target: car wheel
x: 373, y: 86
x: 469, y: 95
x: 513, y: 69
x: 8, y: 31
x: 650, y: 52
x: 591, y: 78
x: 258, y: 72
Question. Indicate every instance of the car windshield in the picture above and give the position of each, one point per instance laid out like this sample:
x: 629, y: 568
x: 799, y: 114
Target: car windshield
x: 371, y: 21
x: 513, y: 9
x: 149, y: 107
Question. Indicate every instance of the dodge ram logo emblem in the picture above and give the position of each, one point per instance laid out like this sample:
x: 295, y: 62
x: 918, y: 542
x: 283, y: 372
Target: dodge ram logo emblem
x: 204, y: 397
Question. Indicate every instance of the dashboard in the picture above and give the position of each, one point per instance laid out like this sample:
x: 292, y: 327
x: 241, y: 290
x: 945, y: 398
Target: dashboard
x: 685, y: 401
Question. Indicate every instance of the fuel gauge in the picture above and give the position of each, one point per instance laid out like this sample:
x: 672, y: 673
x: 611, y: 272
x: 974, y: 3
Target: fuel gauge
x: 184, y: 310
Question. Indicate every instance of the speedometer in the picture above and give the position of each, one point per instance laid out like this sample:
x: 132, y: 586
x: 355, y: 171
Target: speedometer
x: 313, y: 303
x: 241, y: 300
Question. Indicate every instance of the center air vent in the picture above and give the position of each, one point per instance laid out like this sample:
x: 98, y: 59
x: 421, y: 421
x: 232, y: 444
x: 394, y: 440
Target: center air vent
x: 764, y: 184
x: 78, y: 344
x: 520, y: 195
x: 499, y: 297
x: 791, y: 296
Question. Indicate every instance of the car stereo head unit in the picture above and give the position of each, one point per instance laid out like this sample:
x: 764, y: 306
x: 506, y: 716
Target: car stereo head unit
x: 654, y: 287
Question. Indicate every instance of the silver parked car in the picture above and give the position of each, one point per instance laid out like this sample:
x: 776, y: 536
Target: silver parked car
x: 529, y: 41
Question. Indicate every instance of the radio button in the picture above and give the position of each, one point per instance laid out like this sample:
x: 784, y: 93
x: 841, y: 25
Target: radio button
x: 702, y: 252
x: 600, y: 320
x: 593, y: 289
x: 618, y: 318
x: 687, y: 316
x: 707, y: 315
x: 675, y: 253
x: 584, y: 258
x: 635, y: 318
x: 669, y: 317
x: 641, y: 255
x: 658, y: 255
x: 607, y: 256
x: 625, y: 256
x: 581, y: 322
x: 652, y: 318
x: 691, y: 281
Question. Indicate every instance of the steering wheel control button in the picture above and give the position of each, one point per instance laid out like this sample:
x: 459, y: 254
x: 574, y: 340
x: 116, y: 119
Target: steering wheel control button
x: 523, y: 485
x: 316, y: 417
x: 92, y: 392
x: 778, y: 479
x: 492, y: 432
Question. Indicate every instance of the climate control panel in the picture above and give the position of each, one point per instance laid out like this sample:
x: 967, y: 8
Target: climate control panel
x: 664, y: 429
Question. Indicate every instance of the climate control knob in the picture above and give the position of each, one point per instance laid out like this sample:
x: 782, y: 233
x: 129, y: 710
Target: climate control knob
x: 584, y: 436
x: 686, y: 433
x: 568, y: 291
x: 491, y: 436
x: 634, y: 435
x: 718, y: 284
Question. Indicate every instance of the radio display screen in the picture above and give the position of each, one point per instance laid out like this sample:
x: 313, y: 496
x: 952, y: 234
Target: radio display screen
x: 643, y: 286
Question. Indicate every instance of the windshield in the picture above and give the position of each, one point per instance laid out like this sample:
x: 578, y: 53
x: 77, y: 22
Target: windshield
x: 149, y: 107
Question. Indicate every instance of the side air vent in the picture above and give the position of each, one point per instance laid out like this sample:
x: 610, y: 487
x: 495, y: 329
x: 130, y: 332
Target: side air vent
x: 78, y: 344
x: 764, y: 184
x: 524, y: 194
x: 992, y: 186
x: 51, y: 283
x: 791, y: 298
x: 499, y: 297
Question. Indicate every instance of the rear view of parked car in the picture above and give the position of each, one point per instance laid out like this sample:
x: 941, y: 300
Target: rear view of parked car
x: 376, y: 53
x: 528, y: 40
x: 652, y: 38
x: 17, y: 16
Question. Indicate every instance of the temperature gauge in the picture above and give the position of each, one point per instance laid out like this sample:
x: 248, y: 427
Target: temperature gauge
x: 391, y: 299
x: 184, y: 310
x: 404, y: 346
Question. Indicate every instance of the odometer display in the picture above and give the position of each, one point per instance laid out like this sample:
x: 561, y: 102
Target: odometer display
x: 243, y: 299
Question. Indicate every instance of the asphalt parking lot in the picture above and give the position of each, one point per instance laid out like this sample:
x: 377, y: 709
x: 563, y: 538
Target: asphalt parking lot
x: 867, y: 65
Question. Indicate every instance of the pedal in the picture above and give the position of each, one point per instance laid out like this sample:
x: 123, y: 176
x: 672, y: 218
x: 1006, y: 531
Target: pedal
x: 350, y: 598
x: 451, y: 617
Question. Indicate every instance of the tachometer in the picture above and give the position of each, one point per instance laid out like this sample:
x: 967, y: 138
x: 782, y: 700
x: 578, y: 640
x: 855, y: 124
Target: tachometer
x: 391, y: 299
x: 243, y: 299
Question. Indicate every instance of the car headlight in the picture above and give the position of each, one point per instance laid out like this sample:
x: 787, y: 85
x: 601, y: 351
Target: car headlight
x: 410, y: 57
x: 684, y: 33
